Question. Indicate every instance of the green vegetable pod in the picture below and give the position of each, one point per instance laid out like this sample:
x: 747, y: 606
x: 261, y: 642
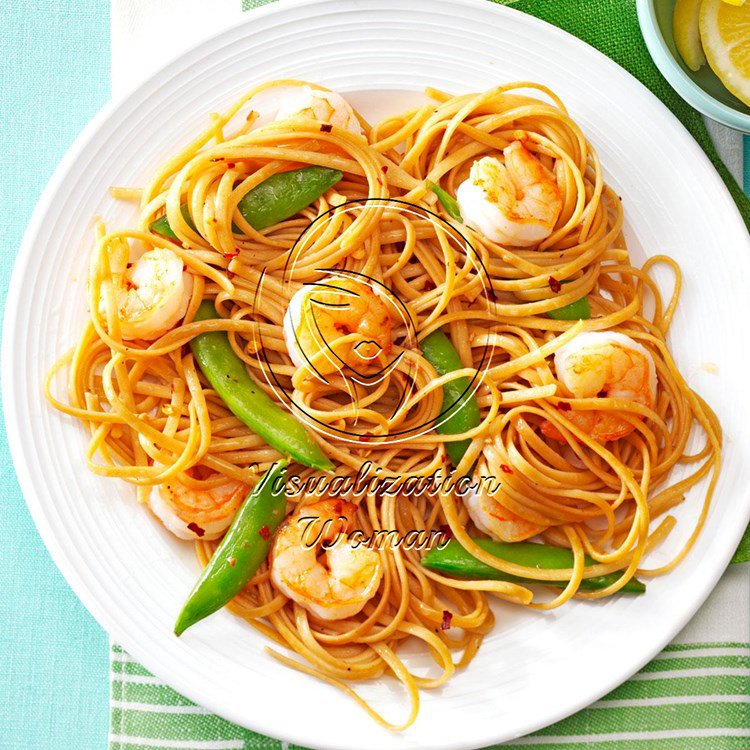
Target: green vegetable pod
x: 277, y: 198
x: 241, y: 552
x: 580, y: 309
x: 447, y: 201
x: 454, y: 560
x: 440, y: 353
x: 229, y: 377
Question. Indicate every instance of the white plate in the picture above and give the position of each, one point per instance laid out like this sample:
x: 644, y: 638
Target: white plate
x: 535, y: 668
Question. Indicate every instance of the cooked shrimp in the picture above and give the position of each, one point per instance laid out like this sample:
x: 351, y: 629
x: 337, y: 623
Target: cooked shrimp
x: 153, y: 294
x: 604, y: 364
x: 338, y: 583
x: 325, y: 106
x: 191, y: 513
x: 344, y: 318
x: 487, y: 509
x: 516, y: 203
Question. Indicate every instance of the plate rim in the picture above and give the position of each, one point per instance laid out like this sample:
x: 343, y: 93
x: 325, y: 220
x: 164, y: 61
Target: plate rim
x: 13, y: 423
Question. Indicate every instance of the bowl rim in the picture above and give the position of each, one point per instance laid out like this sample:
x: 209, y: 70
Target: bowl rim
x: 690, y: 91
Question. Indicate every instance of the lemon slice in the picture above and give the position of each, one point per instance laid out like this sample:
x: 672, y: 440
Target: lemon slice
x: 725, y: 33
x: 687, y: 34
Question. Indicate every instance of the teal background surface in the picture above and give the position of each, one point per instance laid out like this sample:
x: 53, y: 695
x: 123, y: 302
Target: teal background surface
x: 54, y: 658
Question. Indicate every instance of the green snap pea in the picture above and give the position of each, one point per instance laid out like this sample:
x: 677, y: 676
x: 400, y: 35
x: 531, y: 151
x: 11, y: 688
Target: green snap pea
x: 241, y: 552
x: 161, y: 225
x: 447, y: 201
x: 454, y: 560
x: 578, y: 310
x: 277, y: 198
x: 439, y: 352
x: 229, y: 377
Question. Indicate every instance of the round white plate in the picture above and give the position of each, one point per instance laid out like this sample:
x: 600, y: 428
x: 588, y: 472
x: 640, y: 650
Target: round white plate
x: 534, y: 668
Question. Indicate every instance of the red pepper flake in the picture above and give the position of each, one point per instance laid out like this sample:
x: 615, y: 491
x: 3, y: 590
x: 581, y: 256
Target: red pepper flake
x: 197, y: 530
x: 384, y: 169
x: 231, y: 255
x: 230, y: 165
x: 264, y: 532
x: 326, y: 128
x: 365, y: 438
x: 200, y: 472
x: 506, y: 469
x: 564, y: 406
x: 232, y: 561
x: 447, y: 617
x: 554, y: 284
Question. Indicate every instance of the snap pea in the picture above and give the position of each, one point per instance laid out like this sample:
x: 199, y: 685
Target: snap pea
x: 161, y: 225
x: 578, y: 310
x: 242, y: 550
x: 454, y: 560
x: 448, y: 202
x: 247, y: 401
x: 277, y: 198
x: 439, y: 352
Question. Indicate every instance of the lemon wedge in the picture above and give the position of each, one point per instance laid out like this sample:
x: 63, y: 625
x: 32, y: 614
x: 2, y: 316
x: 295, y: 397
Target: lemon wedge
x: 725, y: 33
x: 686, y: 32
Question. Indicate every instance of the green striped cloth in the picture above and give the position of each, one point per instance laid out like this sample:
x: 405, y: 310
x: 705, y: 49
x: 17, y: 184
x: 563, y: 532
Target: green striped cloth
x: 694, y: 695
